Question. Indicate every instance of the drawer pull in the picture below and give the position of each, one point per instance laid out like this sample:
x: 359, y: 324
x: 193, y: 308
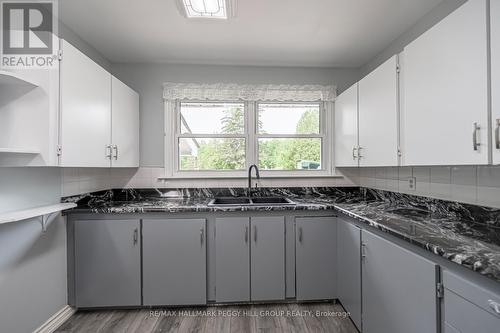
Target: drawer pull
x: 475, y: 132
x: 494, y: 305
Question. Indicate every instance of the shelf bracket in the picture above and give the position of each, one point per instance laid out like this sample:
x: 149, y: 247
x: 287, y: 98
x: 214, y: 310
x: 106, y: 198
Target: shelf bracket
x: 47, y: 219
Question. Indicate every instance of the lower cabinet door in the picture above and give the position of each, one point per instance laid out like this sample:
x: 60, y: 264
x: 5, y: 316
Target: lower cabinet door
x: 232, y: 259
x: 107, y: 263
x: 174, y: 262
x: 267, y: 258
x: 399, y: 288
x: 349, y: 269
x: 463, y: 316
x: 316, y: 256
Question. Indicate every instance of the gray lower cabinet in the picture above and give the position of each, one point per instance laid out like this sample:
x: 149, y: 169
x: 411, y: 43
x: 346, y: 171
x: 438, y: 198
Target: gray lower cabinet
x: 399, y: 288
x: 232, y: 259
x: 349, y: 272
x: 468, y: 308
x: 316, y: 256
x: 267, y: 258
x: 174, y: 261
x: 107, y: 263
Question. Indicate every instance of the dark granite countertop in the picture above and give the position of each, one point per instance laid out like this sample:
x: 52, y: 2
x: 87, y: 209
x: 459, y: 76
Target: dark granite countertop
x: 465, y: 234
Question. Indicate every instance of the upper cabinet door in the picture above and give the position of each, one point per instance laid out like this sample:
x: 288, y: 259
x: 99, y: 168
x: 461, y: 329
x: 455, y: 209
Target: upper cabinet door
x: 445, y: 109
x: 378, y: 116
x: 495, y: 77
x: 346, y: 128
x: 85, y: 131
x: 125, y: 125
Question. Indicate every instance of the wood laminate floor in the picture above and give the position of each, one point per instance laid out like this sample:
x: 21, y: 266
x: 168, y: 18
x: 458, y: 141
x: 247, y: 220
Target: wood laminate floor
x: 303, y: 318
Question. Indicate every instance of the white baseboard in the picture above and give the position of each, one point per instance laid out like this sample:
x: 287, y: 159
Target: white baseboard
x: 56, y: 320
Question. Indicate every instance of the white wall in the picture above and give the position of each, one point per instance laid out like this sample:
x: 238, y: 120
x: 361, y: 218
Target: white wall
x: 32, y: 264
x: 147, y: 80
x: 425, y: 23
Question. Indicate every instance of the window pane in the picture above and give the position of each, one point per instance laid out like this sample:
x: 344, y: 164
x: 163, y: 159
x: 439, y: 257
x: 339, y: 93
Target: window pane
x: 289, y: 118
x: 213, y: 118
x: 290, y: 154
x: 211, y: 154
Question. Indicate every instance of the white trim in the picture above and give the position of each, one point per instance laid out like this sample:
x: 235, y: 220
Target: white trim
x: 172, y: 170
x: 175, y: 93
x: 54, y: 322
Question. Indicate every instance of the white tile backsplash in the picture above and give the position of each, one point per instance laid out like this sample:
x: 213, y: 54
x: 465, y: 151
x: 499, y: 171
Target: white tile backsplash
x: 464, y: 175
x: 469, y: 184
x: 488, y: 176
x: 83, y: 180
x: 422, y: 174
x: 441, y: 175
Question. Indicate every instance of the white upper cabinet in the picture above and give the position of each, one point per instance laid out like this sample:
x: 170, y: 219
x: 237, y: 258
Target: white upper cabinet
x: 125, y: 125
x: 346, y: 128
x: 445, y: 84
x: 495, y: 77
x: 85, y: 132
x: 378, y: 116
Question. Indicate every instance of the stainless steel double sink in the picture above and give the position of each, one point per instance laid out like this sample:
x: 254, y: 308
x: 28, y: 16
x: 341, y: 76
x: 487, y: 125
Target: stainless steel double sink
x: 251, y: 201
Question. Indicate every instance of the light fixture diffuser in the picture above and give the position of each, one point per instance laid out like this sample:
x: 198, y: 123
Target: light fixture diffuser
x: 206, y: 8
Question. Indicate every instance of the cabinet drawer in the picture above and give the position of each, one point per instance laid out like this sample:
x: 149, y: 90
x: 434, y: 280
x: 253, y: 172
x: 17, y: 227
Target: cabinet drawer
x: 473, y: 293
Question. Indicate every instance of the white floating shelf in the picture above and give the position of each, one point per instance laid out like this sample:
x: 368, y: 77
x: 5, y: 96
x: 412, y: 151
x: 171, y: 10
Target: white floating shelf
x: 34, y: 212
x: 10, y: 78
x: 19, y: 151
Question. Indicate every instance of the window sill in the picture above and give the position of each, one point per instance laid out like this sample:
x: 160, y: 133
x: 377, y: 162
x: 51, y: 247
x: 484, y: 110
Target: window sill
x: 262, y: 176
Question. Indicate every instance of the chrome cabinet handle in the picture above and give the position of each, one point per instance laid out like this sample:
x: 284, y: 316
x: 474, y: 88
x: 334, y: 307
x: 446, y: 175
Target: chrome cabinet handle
x: 497, y: 135
x: 354, y: 149
x: 494, y: 305
x: 108, y: 151
x: 363, y: 250
x: 136, y: 236
x: 115, y: 147
x: 246, y: 234
x: 475, y: 132
x: 359, y: 152
x: 255, y: 234
x: 202, y: 235
x: 300, y: 234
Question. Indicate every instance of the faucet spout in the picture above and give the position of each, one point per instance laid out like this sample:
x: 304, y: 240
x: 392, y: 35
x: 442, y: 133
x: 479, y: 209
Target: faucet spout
x: 257, y: 175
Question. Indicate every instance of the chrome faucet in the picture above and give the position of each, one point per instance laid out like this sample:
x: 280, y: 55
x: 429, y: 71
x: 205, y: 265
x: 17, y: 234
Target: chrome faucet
x: 250, y: 178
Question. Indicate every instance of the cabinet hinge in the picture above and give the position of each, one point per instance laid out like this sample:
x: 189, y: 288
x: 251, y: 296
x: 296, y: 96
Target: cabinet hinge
x: 60, y: 55
x: 59, y: 150
x: 439, y: 290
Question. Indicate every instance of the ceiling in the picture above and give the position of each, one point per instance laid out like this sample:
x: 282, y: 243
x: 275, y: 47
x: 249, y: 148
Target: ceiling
x: 319, y: 33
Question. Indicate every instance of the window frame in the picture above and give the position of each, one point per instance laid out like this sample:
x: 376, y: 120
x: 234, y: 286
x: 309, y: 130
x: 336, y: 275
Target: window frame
x: 251, y: 136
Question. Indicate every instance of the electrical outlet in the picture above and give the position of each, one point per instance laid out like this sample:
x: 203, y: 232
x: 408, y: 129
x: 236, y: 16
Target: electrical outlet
x: 412, y: 183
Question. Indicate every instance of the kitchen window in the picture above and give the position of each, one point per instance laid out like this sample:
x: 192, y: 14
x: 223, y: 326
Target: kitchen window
x: 211, y: 136
x: 222, y: 138
x: 290, y: 136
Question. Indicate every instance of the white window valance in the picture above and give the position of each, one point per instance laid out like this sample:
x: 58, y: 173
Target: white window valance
x: 249, y: 92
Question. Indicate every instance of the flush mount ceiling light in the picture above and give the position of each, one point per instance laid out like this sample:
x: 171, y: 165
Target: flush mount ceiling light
x: 217, y: 9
